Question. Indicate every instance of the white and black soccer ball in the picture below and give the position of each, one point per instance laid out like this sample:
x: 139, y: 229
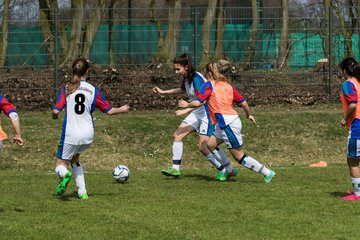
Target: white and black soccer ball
x: 121, y: 173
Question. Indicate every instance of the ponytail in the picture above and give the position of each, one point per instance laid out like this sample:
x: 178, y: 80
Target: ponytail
x: 212, y: 71
x: 79, y: 68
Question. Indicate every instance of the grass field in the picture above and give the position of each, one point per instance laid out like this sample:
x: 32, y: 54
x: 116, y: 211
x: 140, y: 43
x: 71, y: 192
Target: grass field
x: 301, y: 202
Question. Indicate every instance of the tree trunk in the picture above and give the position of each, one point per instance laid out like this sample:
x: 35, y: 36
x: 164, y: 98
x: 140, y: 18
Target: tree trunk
x: 347, y: 33
x: 327, y: 5
x: 220, y: 31
x: 283, y: 44
x: 4, y: 32
x: 250, y: 51
x: 168, y: 51
x: 111, y: 33
x: 93, y: 26
x: 75, y: 42
x: 206, y: 33
x: 159, y: 25
x: 47, y: 27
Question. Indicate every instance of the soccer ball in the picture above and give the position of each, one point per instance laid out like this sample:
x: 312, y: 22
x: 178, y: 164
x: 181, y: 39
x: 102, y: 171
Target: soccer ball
x: 121, y: 173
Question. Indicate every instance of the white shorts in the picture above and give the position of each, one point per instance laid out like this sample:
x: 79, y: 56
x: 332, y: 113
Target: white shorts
x: 200, y: 122
x: 68, y: 151
x: 231, y: 134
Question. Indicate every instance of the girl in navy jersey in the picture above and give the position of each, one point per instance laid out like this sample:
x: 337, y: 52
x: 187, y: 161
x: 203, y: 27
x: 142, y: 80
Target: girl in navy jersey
x: 79, y: 99
x: 350, y: 98
x: 10, y: 111
x: 197, y: 121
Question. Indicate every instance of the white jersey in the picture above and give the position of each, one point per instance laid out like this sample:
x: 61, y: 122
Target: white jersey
x: 78, y: 127
x: 193, y: 89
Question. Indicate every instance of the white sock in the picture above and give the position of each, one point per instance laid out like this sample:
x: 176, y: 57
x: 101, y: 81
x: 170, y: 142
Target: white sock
x: 79, y: 177
x: 177, y: 154
x: 254, y: 165
x: 356, y: 184
x: 60, y: 171
x: 221, y: 157
x: 214, y: 162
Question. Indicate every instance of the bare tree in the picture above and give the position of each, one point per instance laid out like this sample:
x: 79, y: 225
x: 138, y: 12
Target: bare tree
x: 4, y: 32
x: 347, y: 31
x: 111, y: 33
x: 167, y: 43
x: 220, y: 31
x: 206, y: 33
x: 283, y: 44
x: 250, y: 51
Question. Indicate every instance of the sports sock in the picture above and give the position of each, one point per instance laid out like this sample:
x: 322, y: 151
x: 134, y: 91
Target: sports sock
x: 211, y: 158
x: 221, y: 157
x: 254, y: 165
x: 79, y: 177
x: 356, y: 184
x: 177, y: 154
x: 60, y: 171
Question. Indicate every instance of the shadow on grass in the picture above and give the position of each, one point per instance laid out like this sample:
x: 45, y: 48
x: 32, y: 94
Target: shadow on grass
x: 339, y: 194
x: 205, y: 177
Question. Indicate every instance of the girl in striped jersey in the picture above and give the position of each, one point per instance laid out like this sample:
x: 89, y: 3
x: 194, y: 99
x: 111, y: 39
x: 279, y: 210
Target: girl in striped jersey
x: 350, y: 98
x: 10, y: 111
x: 219, y: 96
x: 79, y: 99
x: 197, y: 121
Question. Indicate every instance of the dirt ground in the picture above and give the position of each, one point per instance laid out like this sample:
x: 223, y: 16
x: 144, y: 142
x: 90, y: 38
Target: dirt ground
x: 35, y: 90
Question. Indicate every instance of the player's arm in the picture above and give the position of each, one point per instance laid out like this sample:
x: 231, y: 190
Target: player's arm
x: 180, y: 112
x: 351, y: 98
x: 350, y: 111
x: 169, y: 91
x: 15, y: 121
x: 122, y: 109
x: 202, y: 95
x: 240, y: 100
x: 10, y: 110
x: 60, y: 103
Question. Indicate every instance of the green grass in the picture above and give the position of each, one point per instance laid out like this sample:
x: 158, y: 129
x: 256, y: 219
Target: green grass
x: 301, y: 203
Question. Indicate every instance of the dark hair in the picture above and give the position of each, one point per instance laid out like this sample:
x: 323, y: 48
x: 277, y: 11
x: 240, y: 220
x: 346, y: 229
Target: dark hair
x: 348, y: 65
x: 356, y: 72
x: 79, y: 68
x: 184, y: 60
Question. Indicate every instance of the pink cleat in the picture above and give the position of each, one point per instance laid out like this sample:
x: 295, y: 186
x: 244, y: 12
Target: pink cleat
x: 351, y: 197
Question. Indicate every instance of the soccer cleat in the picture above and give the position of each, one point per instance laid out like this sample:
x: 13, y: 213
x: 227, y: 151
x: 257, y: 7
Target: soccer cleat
x: 61, y: 187
x: 351, y: 197
x: 83, y: 196
x: 233, y: 172
x: 171, y: 172
x: 269, y: 177
x: 222, y: 176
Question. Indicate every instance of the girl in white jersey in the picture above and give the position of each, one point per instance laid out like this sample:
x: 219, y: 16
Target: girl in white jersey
x: 79, y: 99
x: 197, y: 121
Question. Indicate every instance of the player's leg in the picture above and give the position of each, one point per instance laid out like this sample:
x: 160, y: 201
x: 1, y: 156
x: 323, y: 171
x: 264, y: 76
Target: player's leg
x: 219, y: 153
x: 181, y: 132
x: 208, y: 154
x: 354, y: 170
x: 233, y: 138
x: 61, y: 170
x: 79, y: 172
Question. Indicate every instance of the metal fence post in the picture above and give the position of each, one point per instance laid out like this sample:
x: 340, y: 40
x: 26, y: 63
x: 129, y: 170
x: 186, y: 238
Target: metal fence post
x: 195, y: 34
x: 56, y: 52
x: 330, y: 57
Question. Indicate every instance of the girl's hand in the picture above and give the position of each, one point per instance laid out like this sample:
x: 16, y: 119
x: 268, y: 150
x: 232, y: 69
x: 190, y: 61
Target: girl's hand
x: 125, y: 108
x: 180, y: 112
x: 18, y: 140
x: 157, y: 90
x: 183, y: 103
x: 343, y: 122
x: 252, y: 118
